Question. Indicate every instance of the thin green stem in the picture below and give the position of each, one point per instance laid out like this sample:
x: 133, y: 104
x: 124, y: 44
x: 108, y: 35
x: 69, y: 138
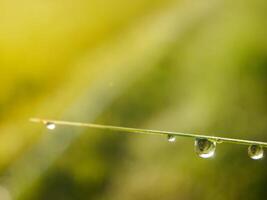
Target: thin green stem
x: 151, y: 132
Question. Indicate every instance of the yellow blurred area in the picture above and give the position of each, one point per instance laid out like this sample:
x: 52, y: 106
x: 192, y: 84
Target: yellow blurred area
x: 46, y: 49
x: 192, y: 66
x: 41, y: 41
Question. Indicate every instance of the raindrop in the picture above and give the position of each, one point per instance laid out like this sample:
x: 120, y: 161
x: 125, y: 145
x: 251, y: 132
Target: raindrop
x: 255, y: 152
x: 204, y: 147
x: 171, y: 138
x: 50, y: 125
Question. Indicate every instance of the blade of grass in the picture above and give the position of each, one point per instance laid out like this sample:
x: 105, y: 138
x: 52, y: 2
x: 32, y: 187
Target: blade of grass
x: 151, y: 132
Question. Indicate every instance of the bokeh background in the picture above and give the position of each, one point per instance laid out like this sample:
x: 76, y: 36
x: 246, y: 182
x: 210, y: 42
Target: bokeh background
x: 184, y: 65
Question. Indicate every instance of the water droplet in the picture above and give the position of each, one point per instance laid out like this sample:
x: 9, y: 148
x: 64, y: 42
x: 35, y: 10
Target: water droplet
x: 171, y: 138
x: 204, y: 147
x: 255, y: 152
x: 50, y: 125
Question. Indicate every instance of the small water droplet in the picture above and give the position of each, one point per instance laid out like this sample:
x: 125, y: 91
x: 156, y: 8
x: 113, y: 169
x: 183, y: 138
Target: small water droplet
x: 255, y: 152
x: 50, y: 125
x: 204, y: 147
x: 171, y: 138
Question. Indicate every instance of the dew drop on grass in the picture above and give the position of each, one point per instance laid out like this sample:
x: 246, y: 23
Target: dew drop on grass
x: 255, y: 152
x: 171, y: 138
x: 50, y: 125
x: 205, y: 148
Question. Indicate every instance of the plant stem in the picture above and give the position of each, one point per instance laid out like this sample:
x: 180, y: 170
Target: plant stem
x: 151, y: 132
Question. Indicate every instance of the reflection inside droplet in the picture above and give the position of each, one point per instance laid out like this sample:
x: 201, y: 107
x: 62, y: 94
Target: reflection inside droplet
x: 205, y: 148
x: 255, y: 152
x: 50, y: 125
x: 171, y: 138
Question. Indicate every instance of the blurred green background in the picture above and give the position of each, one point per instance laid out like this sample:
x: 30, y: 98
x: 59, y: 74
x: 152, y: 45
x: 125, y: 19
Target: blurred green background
x: 189, y: 66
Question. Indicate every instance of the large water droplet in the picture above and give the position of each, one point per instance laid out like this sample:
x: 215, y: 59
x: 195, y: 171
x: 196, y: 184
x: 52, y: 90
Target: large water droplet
x: 255, y: 152
x: 171, y: 138
x: 50, y: 125
x: 204, y: 147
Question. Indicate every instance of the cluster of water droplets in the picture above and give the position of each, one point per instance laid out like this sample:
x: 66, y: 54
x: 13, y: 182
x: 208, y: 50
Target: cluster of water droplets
x: 204, y: 148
